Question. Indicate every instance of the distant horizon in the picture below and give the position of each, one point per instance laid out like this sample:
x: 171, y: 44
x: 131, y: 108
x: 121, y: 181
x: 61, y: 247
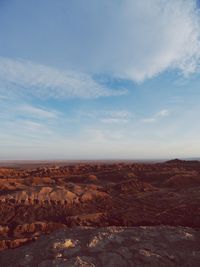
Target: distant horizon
x: 98, y: 159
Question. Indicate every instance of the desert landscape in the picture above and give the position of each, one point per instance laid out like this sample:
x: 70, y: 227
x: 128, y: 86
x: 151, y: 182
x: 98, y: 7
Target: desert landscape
x: 99, y: 133
x: 71, y: 214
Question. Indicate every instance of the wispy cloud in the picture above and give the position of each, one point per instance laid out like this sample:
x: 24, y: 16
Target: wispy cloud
x: 36, y: 112
x: 114, y: 120
x: 157, y: 116
x: 97, y: 135
x: 116, y: 117
x: 107, y: 116
x: 21, y: 77
x: 25, y: 129
x: 162, y: 113
x: 143, y: 38
x: 33, y: 126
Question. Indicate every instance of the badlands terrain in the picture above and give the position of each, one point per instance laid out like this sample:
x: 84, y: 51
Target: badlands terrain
x: 100, y: 214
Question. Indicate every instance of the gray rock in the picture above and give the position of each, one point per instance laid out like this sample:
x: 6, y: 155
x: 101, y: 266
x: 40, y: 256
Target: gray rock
x: 110, y: 247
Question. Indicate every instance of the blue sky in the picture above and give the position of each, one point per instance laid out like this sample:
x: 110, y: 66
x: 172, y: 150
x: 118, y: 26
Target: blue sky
x: 99, y: 79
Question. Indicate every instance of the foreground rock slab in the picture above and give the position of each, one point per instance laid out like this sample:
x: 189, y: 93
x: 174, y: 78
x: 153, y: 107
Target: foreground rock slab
x: 110, y: 247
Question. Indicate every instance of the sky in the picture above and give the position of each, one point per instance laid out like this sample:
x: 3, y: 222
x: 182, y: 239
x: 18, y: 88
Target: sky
x: 109, y: 79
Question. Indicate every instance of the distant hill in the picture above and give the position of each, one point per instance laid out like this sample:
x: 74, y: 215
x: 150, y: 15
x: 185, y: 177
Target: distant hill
x: 179, y: 161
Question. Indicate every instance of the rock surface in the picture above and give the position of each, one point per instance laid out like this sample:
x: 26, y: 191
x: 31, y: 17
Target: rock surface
x: 110, y: 247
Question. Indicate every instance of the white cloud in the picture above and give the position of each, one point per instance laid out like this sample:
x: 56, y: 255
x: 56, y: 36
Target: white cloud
x: 114, y: 120
x: 149, y: 120
x: 157, y: 116
x: 123, y: 114
x: 33, y: 126
x: 107, y: 116
x: 37, y: 112
x: 116, y: 117
x: 140, y: 39
x: 129, y: 39
x: 25, y: 129
x: 103, y: 136
x: 21, y: 77
x: 162, y: 113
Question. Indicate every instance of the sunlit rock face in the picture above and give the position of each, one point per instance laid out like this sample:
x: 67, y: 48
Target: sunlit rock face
x: 111, y: 246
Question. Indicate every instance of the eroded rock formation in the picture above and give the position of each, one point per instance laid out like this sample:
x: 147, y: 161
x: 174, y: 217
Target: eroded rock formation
x: 39, y: 200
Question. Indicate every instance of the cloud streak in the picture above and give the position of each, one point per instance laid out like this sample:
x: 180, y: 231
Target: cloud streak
x: 116, y: 117
x: 111, y: 116
x: 140, y: 39
x: 156, y: 117
x: 32, y: 126
x: 21, y: 77
x: 37, y: 112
